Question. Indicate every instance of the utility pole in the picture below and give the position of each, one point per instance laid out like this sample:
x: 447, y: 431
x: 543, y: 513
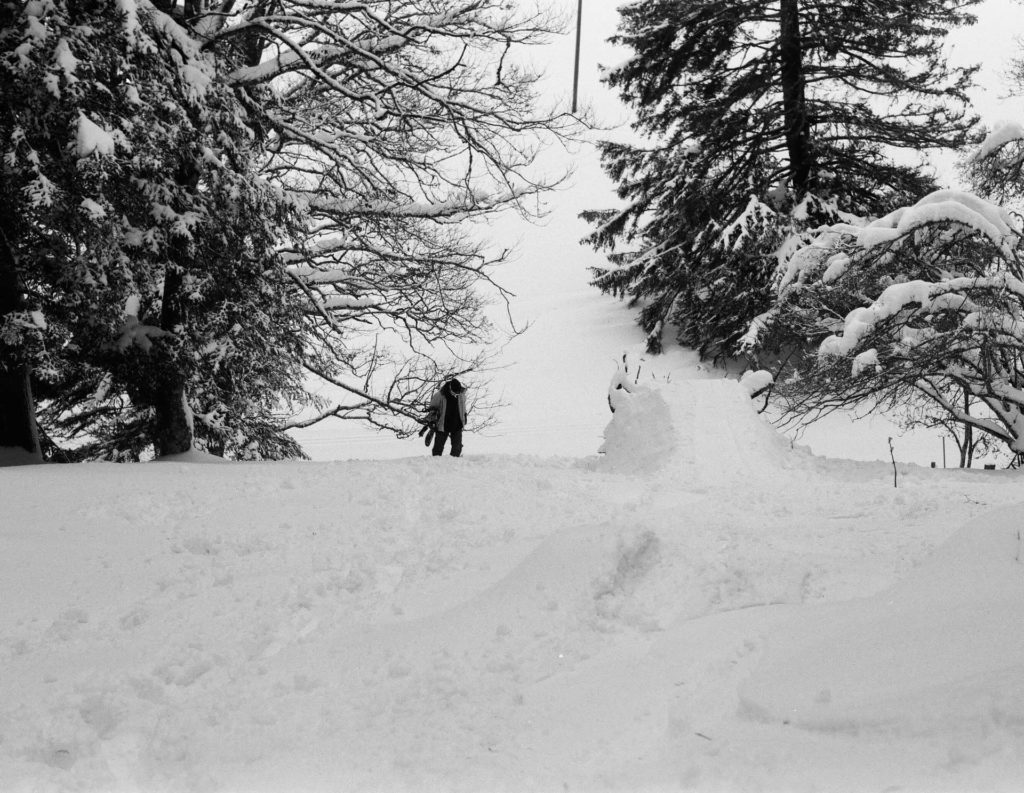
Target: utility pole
x: 576, y: 63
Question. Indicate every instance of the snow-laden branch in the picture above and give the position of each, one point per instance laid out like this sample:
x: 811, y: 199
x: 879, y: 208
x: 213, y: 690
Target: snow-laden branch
x: 1000, y: 135
x: 317, y: 58
x: 744, y: 228
x: 942, y: 302
x: 927, y: 387
x: 945, y: 207
x: 457, y: 207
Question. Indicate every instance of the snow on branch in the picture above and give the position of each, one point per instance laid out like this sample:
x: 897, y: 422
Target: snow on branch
x: 1000, y: 135
x: 756, y: 381
x: 135, y: 333
x: 456, y: 207
x: 756, y: 214
x: 749, y: 340
x: 923, y: 297
x: 131, y: 19
x: 91, y: 138
x: 304, y: 52
x: 808, y: 258
x: 194, y: 67
x: 946, y: 207
x: 831, y: 253
x: 941, y: 305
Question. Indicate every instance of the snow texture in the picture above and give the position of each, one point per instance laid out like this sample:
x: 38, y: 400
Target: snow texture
x: 700, y: 607
x: 931, y: 656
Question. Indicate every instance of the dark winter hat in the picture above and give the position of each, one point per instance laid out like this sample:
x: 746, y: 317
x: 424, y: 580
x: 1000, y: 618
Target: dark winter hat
x: 455, y: 386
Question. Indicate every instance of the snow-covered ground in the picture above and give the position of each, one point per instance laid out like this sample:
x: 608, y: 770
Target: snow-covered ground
x: 700, y: 607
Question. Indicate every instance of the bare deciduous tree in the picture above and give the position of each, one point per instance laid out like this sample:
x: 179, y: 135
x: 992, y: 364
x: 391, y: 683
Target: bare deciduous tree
x: 392, y: 126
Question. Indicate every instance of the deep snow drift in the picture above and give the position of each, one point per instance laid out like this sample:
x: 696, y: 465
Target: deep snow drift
x: 700, y: 607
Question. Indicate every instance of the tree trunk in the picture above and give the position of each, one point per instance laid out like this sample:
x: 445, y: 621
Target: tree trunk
x: 969, y: 445
x: 794, y: 102
x: 968, y: 455
x: 17, y: 408
x: 174, y: 433
x: 17, y: 414
x: 173, y: 426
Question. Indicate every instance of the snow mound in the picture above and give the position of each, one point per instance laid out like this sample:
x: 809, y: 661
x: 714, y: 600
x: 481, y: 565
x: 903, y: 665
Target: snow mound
x: 938, y: 654
x: 641, y: 435
x: 704, y: 430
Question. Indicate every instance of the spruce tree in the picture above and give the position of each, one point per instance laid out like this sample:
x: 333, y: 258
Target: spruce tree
x: 762, y: 120
x: 157, y: 313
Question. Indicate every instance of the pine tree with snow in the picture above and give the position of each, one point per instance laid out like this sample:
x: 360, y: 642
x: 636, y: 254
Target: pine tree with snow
x: 920, y: 309
x: 761, y: 120
x: 923, y: 304
x: 143, y: 238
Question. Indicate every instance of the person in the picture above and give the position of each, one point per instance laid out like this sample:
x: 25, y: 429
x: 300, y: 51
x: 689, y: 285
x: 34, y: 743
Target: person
x: 448, y: 416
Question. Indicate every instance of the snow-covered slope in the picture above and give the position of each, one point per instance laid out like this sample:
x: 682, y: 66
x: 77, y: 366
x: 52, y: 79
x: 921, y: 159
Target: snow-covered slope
x: 700, y: 607
x: 931, y: 667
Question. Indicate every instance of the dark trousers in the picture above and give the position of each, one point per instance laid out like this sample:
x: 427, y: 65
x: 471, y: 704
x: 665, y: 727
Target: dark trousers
x: 441, y: 437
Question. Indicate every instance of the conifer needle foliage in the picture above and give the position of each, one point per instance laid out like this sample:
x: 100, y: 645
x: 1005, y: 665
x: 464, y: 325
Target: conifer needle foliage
x: 757, y: 121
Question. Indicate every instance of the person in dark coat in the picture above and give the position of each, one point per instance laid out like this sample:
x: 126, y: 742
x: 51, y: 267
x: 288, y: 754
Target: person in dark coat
x: 448, y: 414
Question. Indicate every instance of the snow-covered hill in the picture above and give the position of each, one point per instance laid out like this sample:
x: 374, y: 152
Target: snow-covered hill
x: 701, y: 607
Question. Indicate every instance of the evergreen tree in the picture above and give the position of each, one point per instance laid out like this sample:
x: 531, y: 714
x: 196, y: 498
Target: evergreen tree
x: 763, y: 119
x: 144, y: 242
x: 920, y: 310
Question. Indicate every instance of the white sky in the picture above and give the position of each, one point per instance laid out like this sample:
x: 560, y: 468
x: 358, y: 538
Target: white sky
x: 555, y: 376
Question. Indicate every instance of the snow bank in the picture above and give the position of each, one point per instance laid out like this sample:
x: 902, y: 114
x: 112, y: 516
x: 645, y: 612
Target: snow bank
x: 698, y: 428
x: 194, y: 457
x: 756, y: 381
x: 640, y: 438
x: 937, y: 656
x: 507, y: 624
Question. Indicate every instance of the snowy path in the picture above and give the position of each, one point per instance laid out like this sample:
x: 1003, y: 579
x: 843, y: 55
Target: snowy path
x: 478, y: 624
